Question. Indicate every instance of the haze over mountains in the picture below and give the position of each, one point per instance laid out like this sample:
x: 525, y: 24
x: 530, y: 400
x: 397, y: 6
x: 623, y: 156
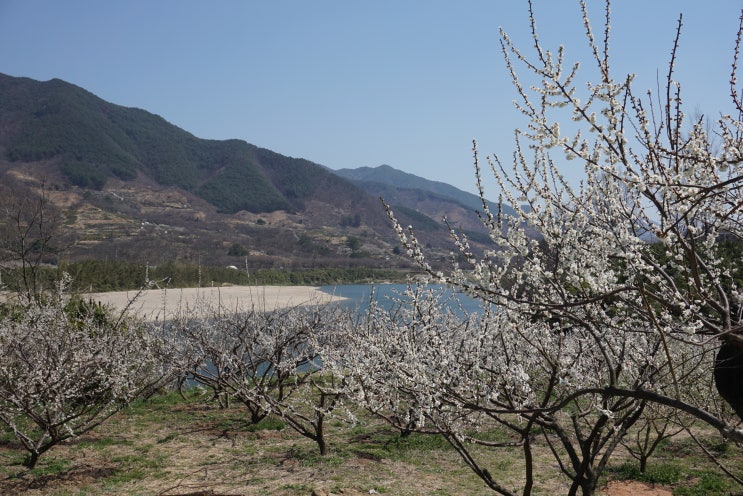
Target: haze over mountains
x: 129, y: 185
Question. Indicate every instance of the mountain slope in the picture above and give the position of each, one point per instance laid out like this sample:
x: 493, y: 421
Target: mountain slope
x: 132, y: 185
x: 434, y: 199
x: 396, y: 179
x: 129, y: 185
x: 93, y: 141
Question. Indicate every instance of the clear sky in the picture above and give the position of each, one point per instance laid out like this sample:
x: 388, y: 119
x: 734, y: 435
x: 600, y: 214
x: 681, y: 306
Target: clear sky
x: 346, y: 83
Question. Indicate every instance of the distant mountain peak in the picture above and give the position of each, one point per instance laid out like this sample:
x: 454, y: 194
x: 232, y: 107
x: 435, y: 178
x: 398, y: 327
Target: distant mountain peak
x: 395, y: 178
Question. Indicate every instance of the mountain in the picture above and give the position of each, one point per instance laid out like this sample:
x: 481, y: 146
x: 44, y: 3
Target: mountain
x: 431, y: 198
x: 397, y: 179
x: 129, y: 185
x: 93, y: 141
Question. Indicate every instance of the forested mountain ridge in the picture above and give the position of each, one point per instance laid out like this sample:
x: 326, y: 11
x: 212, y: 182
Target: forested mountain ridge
x: 93, y: 141
x: 387, y: 176
x: 434, y: 198
x: 132, y: 186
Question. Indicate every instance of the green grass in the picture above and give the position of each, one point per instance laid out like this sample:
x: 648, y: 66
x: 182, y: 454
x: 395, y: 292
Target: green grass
x: 269, y: 423
x: 51, y: 467
x: 663, y: 473
x: 679, y: 464
x: 124, y: 477
x: 400, y: 447
x: 7, y: 436
x: 708, y: 484
x: 308, y: 456
x: 103, y: 443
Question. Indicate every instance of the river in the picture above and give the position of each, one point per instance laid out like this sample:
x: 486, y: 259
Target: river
x: 358, y: 296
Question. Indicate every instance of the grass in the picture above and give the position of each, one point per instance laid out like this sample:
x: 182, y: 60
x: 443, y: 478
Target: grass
x: 56, y: 466
x: 707, y: 484
x: 101, y: 443
x: 172, y: 445
x: 663, y: 473
x: 678, y: 465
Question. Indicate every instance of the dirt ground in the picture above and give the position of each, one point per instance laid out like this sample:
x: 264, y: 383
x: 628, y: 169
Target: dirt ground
x: 196, y: 449
x: 633, y: 488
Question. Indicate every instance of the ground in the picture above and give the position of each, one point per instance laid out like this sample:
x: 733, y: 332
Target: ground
x: 170, y: 447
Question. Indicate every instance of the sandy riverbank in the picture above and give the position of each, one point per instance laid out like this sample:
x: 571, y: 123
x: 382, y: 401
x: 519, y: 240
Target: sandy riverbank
x: 154, y: 304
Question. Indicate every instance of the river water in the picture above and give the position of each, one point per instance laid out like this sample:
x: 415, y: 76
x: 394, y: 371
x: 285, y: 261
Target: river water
x: 359, y: 296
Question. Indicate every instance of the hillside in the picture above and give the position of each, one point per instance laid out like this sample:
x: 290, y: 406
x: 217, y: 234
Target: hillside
x: 128, y: 185
x: 434, y: 199
x: 394, y: 179
x: 93, y: 141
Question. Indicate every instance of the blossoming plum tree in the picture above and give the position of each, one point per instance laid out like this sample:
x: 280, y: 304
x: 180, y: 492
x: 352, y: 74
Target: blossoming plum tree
x: 620, y: 300
x: 66, y: 367
x: 269, y: 360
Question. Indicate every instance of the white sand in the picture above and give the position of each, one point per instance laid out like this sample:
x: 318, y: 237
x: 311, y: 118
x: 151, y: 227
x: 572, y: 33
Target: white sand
x: 156, y: 304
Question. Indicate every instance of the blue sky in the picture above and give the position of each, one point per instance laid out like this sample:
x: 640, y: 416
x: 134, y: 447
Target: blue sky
x: 348, y: 83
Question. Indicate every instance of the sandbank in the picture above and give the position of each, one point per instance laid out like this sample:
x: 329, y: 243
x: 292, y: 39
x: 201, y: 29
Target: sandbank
x: 163, y: 304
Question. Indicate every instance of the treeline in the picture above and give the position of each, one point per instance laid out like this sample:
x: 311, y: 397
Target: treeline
x: 99, y: 276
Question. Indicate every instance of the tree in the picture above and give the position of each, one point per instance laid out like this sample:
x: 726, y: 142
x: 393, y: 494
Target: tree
x: 353, y: 243
x: 611, y: 295
x: 30, y: 237
x: 428, y: 367
x: 267, y: 360
x: 66, y: 366
x: 238, y: 250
